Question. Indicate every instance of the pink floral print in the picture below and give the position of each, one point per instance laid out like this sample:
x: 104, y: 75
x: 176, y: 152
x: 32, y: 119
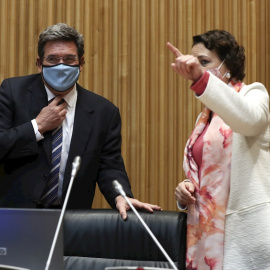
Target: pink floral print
x: 206, y: 219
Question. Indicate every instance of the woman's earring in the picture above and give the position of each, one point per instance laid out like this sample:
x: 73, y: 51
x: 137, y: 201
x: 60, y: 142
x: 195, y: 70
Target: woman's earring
x: 228, y: 75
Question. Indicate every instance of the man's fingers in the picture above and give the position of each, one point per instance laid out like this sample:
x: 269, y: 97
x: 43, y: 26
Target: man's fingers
x: 174, y: 50
x: 146, y: 206
x: 58, y: 101
x: 63, y: 113
x: 122, y: 206
x: 55, y: 101
x: 156, y: 207
x: 123, y: 212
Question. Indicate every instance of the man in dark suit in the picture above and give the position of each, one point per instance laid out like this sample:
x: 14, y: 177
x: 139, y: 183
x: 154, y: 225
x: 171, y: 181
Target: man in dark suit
x: 33, y: 107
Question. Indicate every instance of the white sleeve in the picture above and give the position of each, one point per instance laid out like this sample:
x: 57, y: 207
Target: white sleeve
x: 181, y: 207
x: 246, y: 112
x: 37, y: 133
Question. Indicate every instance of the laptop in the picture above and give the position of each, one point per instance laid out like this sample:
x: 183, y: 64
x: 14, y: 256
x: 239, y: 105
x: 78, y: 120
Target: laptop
x: 26, y: 237
x: 9, y: 267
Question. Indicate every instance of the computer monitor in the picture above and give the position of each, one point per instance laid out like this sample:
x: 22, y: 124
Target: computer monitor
x: 26, y: 237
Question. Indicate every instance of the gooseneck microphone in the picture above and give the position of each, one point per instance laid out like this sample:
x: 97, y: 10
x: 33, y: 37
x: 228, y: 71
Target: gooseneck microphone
x: 118, y: 187
x: 75, y: 167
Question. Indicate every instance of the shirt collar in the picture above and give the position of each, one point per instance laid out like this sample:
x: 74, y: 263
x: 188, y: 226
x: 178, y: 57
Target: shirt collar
x: 70, y: 98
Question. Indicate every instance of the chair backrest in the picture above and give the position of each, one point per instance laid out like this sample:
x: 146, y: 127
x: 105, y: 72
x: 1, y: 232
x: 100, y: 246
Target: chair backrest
x: 99, y: 238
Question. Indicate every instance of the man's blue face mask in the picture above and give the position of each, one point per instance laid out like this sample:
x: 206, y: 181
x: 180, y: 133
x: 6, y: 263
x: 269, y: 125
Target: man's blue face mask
x: 60, y: 77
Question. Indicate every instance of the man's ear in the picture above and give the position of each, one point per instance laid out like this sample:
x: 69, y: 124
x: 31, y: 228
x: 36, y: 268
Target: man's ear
x: 39, y: 64
x: 81, y: 63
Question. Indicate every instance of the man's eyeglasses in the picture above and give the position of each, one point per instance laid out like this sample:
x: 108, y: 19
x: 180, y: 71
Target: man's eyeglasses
x: 69, y: 60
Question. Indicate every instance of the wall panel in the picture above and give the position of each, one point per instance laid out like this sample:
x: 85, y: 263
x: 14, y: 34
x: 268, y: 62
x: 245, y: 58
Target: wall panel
x: 127, y: 62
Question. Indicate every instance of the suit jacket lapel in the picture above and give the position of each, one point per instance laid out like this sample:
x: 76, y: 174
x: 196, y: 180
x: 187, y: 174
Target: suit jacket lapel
x: 83, y: 123
x: 38, y: 99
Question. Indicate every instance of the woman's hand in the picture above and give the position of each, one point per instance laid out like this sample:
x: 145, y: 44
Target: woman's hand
x: 187, y: 66
x: 184, y: 193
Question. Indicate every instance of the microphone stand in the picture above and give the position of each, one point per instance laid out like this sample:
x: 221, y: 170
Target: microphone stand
x: 119, y: 188
x: 75, y: 168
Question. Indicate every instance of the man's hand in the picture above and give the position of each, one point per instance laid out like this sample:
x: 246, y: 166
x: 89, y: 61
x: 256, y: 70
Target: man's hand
x: 51, y: 116
x: 122, y: 206
x: 188, y: 66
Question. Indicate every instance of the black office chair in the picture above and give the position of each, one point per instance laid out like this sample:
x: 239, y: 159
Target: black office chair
x: 99, y: 238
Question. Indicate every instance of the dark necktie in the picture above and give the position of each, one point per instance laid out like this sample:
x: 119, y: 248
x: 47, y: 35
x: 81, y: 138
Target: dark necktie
x: 50, y: 192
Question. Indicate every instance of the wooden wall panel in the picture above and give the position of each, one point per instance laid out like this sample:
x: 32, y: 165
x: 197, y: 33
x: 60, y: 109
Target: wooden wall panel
x: 127, y: 62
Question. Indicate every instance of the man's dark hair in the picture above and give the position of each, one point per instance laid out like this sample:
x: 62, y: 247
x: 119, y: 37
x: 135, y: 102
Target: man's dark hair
x: 60, y: 31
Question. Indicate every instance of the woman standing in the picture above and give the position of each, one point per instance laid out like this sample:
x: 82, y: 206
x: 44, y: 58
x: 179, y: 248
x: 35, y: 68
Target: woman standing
x: 226, y: 159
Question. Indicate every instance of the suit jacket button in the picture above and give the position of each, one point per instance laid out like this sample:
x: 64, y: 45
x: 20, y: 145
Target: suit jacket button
x: 37, y: 204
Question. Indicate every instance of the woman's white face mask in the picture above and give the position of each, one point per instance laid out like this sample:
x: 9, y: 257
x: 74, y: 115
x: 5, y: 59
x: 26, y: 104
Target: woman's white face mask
x: 217, y: 73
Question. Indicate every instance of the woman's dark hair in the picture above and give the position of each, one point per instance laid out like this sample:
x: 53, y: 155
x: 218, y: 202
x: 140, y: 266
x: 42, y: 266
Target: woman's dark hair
x: 226, y: 47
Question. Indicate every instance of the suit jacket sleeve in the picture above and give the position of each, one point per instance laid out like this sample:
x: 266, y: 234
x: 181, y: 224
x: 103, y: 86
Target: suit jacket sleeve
x: 112, y: 165
x: 17, y: 137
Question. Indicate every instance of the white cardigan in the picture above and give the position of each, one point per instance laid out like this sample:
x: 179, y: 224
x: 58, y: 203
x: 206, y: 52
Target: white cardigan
x: 247, y: 228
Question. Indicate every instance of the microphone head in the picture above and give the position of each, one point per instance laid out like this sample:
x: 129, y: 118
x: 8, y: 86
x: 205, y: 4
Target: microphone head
x: 118, y: 187
x: 76, y: 162
x: 75, y: 166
